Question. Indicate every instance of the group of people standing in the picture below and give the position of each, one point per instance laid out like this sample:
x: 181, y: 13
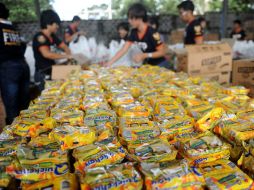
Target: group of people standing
x: 14, y: 71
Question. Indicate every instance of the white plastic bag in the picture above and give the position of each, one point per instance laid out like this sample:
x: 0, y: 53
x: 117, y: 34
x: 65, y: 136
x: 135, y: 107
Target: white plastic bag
x: 29, y: 56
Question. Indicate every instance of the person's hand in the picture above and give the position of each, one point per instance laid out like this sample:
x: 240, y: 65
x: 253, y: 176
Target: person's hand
x: 82, y: 33
x: 139, y: 57
x: 106, y: 64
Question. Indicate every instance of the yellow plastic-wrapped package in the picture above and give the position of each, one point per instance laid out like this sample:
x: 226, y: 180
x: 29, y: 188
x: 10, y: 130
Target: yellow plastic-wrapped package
x: 112, y: 177
x: 5, y: 178
x: 204, y: 149
x: 97, y: 155
x: 171, y: 175
x: 72, y: 116
x: 209, y: 120
x: 224, y: 174
x: 67, y: 181
x: 152, y: 151
x: 70, y: 137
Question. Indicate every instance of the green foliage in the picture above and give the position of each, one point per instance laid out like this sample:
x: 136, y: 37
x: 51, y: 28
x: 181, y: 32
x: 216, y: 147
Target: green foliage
x: 24, y: 10
x: 233, y: 5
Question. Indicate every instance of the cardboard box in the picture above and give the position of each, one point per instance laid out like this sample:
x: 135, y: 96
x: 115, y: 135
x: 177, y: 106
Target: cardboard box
x: 222, y: 78
x: 243, y: 74
x: 63, y: 71
x: 212, y: 37
x: 202, y: 59
x: 176, y: 36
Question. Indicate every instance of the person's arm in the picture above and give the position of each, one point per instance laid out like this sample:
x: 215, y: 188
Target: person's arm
x: 64, y: 47
x: 160, y: 52
x: 45, y: 51
x: 119, y: 54
x: 199, y: 40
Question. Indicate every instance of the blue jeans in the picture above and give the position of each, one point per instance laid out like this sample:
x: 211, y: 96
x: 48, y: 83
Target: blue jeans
x: 14, y: 87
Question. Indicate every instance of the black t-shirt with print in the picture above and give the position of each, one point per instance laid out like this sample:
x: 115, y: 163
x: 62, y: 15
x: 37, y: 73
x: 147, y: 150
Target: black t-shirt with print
x: 41, y: 63
x: 69, y: 30
x: 192, y: 31
x: 11, y: 46
x: 238, y: 35
x: 147, y: 43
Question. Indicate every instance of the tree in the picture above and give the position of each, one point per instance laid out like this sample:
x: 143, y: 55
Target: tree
x: 24, y: 10
x: 233, y: 5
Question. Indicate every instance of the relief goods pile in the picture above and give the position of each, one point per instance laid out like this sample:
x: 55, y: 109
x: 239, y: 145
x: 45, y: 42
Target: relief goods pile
x: 126, y: 128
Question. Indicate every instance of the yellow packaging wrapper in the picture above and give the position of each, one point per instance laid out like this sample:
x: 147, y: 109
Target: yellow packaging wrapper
x: 204, y: 149
x: 153, y: 151
x: 171, y: 175
x: 73, y: 117
x: 67, y: 181
x: 97, y: 155
x: 4, y: 177
x: 112, y: 177
x: 70, y: 137
x: 99, y: 116
x: 223, y: 174
x: 209, y: 120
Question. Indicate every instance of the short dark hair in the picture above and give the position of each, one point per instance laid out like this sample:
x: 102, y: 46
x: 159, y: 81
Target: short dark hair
x: 186, y: 5
x: 201, y: 19
x: 237, y: 22
x: 49, y: 17
x: 137, y: 10
x: 153, y: 20
x: 123, y: 25
x: 76, y: 18
x: 4, y: 12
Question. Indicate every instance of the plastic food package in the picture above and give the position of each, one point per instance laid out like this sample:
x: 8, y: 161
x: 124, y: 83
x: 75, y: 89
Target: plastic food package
x: 117, y: 177
x: 153, y: 151
x: 67, y: 181
x: 4, y: 177
x: 70, y: 137
x: 171, y: 175
x: 204, y: 149
x: 97, y: 155
x: 99, y: 116
x: 224, y: 174
x: 138, y: 133
x: 176, y: 125
x: 209, y: 120
x: 235, y: 130
x: 73, y: 117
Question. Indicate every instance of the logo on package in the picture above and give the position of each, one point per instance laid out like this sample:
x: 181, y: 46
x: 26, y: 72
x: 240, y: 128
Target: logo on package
x: 211, y: 62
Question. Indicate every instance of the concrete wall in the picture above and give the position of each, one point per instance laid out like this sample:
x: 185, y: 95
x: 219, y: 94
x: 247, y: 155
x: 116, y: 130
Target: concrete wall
x: 105, y: 30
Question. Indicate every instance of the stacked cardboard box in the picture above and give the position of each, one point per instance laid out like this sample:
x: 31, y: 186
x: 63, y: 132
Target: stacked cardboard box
x: 212, y: 61
x: 243, y: 74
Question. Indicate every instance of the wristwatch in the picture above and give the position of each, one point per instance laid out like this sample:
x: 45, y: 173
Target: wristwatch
x: 149, y: 55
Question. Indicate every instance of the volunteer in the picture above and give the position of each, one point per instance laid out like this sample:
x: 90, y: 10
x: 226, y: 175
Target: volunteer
x: 145, y: 37
x: 14, y: 71
x: 72, y: 32
x: 193, y: 30
x: 238, y: 33
x: 123, y: 30
x: 44, y: 43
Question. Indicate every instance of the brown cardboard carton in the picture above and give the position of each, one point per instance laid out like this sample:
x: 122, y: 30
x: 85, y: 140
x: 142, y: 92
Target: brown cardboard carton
x: 243, y: 74
x: 222, y: 78
x: 62, y: 71
x: 201, y: 59
x: 212, y: 37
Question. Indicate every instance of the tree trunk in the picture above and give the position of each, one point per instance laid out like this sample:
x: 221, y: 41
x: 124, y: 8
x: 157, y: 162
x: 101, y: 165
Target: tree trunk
x: 37, y: 9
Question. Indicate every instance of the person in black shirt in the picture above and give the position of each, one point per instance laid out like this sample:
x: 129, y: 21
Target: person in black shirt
x: 43, y: 43
x: 72, y: 32
x: 145, y: 37
x: 123, y: 30
x: 14, y: 71
x: 193, y: 31
x: 238, y: 33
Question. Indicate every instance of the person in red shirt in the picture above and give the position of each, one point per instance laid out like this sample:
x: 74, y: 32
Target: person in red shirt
x: 193, y: 30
